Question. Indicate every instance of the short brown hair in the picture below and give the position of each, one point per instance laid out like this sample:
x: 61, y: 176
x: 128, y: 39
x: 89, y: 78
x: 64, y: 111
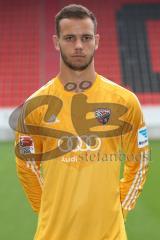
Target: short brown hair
x: 74, y: 11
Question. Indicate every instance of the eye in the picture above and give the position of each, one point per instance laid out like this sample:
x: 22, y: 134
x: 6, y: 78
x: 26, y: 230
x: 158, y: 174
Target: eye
x: 69, y: 38
x: 87, y: 38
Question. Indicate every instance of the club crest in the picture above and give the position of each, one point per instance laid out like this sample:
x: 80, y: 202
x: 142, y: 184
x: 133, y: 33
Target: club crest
x: 103, y: 115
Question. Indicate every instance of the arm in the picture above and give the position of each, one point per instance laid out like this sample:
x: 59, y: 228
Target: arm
x: 135, y: 147
x: 28, y: 169
x: 29, y: 175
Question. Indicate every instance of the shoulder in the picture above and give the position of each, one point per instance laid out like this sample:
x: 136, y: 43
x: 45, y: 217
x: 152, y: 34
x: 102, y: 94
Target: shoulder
x: 34, y: 107
x: 44, y: 90
x: 125, y: 95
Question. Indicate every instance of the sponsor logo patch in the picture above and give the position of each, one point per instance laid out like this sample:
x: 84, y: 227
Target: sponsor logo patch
x: 26, y: 145
x: 142, y: 137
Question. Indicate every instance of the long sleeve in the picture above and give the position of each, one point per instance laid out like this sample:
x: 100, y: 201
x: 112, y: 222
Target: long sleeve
x: 29, y: 174
x: 27, y: 145
x: 136, y: 150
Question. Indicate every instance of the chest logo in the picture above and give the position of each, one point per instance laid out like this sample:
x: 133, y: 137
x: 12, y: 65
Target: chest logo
x: 103, y: 115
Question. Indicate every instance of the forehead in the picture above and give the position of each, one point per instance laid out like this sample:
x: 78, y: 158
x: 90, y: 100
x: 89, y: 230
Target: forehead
x: 76, y: 26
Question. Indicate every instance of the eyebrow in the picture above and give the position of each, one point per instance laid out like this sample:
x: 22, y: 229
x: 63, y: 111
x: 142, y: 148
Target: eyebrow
x: 71, y: 34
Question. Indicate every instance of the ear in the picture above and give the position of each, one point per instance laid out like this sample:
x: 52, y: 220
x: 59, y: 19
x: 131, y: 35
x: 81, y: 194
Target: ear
x: 97, y: 37
x: 56, y: 42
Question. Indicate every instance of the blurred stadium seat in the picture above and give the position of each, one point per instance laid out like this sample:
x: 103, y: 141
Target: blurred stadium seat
x: 129, y: 51
x: 19, y: 51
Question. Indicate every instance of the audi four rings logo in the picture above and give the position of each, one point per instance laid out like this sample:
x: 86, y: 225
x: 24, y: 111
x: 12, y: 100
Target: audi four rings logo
x: 83, y: 143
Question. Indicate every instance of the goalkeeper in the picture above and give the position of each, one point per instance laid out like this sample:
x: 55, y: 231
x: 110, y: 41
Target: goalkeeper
x: 69, y: 138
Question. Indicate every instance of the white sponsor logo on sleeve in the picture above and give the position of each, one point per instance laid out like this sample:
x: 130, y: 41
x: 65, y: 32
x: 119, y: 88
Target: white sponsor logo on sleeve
x: 142, y: 137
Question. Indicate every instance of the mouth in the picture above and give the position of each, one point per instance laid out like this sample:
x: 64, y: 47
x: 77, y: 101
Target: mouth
x: 79, y: 56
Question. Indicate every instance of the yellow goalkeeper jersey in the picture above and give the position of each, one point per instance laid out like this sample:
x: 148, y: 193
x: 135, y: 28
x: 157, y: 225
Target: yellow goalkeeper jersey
x: 69, y: 149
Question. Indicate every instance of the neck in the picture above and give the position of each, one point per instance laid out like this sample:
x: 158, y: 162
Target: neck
x: 67, y: 75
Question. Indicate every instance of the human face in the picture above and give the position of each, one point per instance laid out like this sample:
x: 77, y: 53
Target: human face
x: 77, y: 43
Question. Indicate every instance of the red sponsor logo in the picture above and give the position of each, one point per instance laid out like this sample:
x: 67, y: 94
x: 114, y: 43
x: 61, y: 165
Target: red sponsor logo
x: 26, y: 141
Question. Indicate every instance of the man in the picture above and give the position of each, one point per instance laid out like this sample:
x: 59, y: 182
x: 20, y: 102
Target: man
x: 70, y: 135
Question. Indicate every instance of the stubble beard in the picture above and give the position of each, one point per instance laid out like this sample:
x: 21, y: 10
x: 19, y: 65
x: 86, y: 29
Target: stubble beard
x: 73, y: 66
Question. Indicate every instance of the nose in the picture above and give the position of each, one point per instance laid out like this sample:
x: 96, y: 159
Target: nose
x: 78, y: 44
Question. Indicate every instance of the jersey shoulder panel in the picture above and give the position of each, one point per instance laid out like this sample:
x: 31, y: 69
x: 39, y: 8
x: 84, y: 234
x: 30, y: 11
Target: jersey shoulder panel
x: 44, y: 90
x: 34, y: 107
x: 126, y: 95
